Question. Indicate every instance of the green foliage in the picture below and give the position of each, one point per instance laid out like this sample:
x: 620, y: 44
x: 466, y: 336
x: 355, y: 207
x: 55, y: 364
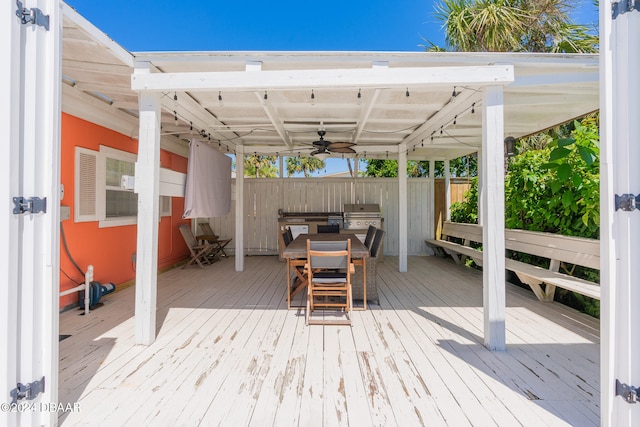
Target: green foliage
x: 556, y: 190
x: 304, y: 165
x: 260, y: 166
x: 467, y: 210
x: 460, y: 167
x: 512, y: 26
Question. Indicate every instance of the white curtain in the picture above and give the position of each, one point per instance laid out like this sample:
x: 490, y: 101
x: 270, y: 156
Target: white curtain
x: 208, y: 191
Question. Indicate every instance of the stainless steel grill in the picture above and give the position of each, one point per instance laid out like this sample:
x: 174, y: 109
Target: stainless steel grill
x: 361, y: 216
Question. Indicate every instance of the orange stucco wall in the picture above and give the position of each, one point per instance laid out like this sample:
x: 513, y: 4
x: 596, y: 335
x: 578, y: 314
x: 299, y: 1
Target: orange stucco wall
x: 109, y: 249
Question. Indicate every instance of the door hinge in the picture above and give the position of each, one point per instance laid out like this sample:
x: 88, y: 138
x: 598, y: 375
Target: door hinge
x: 628, y: 393
x: 624, y: 6
x: 27, y: 391
x: 32, y: 205
x: 627, y: 202
x: 32, y: 16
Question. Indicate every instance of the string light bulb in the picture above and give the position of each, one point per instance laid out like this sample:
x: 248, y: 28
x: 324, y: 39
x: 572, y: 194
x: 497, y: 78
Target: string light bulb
x: 455, y: 120
x: 265, y: 98
x: 473, y: 108
x: 313, y: 98
x: 407, y: 95
x: 220, y: 102
x: 175, y: 117
x: 454, y: 93
x: 359, y: 97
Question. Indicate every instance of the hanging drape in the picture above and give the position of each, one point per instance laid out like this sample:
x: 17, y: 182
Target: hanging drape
x: 208, y: 190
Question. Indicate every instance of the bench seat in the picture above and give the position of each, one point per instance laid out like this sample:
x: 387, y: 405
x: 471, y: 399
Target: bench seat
x: 527, y: 272
x: 556, y: 248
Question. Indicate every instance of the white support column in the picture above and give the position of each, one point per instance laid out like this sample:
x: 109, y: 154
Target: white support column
x: 480, y: 189
x: 403, y: 228
x: 239, y: 208
x: 620, y: 227
x: 148, y: 188
x: 432, y: 208
x: 493, y: 209
x: 447, y: 189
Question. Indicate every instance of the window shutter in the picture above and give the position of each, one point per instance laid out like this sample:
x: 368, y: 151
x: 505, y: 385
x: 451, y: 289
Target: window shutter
x: 86, y: 197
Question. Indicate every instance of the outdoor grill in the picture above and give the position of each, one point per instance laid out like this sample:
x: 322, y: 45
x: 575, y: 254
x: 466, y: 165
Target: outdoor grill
x: 361, y: 216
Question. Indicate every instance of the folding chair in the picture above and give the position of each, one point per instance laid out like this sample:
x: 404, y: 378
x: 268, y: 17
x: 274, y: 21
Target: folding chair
x: 329, y: 271
x: 209, y: 236
x: 199, y: 252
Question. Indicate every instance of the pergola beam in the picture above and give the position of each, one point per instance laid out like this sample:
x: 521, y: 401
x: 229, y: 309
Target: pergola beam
x: 296, y: 79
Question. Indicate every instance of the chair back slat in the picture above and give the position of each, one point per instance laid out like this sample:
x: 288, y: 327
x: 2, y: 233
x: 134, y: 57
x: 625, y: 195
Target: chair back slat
x: 377, y: 242
x: 368, y: 240
x: 329, y: 254
x: 206, y: 229
x: 188, y: 236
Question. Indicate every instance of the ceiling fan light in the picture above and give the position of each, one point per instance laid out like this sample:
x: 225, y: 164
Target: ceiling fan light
x: 321, y: 156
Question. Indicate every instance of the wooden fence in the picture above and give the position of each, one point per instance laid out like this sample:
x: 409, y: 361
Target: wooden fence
x: 263, y: 198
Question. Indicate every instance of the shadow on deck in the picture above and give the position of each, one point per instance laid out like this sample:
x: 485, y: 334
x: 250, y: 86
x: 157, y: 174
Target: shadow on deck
x: 228, y: 351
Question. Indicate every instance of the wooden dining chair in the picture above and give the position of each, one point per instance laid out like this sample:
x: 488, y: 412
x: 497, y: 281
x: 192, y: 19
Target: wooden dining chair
x: 329, y: 270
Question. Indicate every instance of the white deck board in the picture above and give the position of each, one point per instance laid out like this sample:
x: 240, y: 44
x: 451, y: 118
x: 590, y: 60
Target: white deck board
x: 228, y: 352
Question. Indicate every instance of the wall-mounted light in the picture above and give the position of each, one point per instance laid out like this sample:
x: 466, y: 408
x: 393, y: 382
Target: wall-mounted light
x: 509, y: 146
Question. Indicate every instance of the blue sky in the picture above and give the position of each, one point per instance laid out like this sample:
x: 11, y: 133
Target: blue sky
x: 330, y: 25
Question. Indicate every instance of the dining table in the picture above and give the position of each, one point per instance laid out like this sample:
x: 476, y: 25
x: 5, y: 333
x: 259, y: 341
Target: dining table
x: 296, y: 255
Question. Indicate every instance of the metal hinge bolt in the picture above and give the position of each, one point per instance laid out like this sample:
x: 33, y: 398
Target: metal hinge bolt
x: 32, y: 205
x: 627, y: 202
x: 27, y: 391
x: 32, y: 16
x: 624, y: 6
x: 628, y: 393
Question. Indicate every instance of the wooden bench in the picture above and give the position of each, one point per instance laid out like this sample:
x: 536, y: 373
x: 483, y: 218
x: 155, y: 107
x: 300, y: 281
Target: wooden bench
x: 467, y: 233
x: 557, y: 248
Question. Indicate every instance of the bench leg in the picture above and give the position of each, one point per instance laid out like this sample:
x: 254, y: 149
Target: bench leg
x: 543, y: 295
x: 456, y: 257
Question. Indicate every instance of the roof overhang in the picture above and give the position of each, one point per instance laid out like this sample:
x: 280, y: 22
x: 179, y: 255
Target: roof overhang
x: 427, y: 104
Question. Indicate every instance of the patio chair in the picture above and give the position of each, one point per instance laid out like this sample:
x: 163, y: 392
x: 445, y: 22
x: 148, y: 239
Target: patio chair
x: 368, y: 240
x: 199, y: 252
x: 377, y: 243
x: 212, y: 238
x: 329, y: 269
x: 332, y: 228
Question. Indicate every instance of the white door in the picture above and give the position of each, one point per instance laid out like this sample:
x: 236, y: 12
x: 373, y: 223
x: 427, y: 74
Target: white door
x: 29, y: 233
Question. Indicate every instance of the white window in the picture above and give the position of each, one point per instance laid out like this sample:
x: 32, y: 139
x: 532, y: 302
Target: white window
x: 99, y: 195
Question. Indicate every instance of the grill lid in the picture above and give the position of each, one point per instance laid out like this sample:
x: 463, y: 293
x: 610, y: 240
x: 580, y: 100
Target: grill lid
x: 370, y: 210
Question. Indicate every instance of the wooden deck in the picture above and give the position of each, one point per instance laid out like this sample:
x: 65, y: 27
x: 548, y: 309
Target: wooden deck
x: 228, y: 352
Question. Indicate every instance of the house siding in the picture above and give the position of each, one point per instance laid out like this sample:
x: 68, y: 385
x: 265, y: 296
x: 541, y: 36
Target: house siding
x: 109, y: 250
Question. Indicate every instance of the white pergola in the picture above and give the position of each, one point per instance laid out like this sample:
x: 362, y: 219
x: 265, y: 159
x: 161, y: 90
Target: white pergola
x: 142, y: 94
x: 391, y: 105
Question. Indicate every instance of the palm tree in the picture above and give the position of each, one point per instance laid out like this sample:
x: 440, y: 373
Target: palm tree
x: 260, y: 166
x: 512, y: 26
x: 305, y: 165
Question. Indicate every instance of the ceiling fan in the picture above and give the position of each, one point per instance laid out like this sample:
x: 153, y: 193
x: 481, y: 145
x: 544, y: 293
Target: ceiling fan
x: 323, y: 147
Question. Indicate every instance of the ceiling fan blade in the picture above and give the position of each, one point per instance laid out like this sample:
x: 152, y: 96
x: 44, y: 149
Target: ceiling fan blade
x: 338, y: 145
x: 342, y: 150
